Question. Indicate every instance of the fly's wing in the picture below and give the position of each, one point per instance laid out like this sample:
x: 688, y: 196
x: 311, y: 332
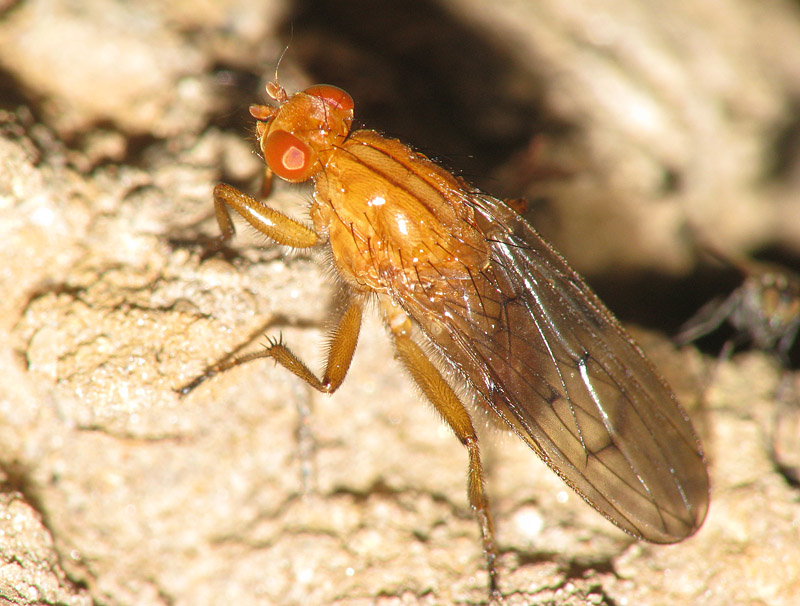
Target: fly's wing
x: 546, y: 355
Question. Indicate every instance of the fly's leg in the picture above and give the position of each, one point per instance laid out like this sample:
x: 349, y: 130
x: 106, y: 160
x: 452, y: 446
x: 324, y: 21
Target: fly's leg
x: 270, y: 222
x: 289, y: 232
x: 447, y: 404
x: 343, y: 342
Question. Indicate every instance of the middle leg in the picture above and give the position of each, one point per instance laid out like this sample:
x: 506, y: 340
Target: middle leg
x: 343, y: 343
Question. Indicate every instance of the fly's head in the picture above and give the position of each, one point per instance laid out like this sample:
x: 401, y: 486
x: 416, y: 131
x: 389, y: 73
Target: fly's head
x: 298, y: 135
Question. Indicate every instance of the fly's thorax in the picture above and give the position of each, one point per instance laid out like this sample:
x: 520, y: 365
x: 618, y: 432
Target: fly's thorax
x: 395, y: 220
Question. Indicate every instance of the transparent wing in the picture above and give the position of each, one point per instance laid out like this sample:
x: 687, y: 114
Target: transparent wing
x: 545, y: 355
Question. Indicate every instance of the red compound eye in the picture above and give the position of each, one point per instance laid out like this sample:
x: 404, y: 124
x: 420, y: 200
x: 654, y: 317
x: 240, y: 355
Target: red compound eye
x: 332, y: 95
x: 288, y: 156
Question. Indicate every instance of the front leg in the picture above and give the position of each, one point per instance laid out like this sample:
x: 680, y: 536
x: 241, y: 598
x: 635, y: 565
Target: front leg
x: 270, y: 222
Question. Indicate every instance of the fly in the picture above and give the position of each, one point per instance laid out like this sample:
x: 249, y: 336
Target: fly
x: 459, y: 272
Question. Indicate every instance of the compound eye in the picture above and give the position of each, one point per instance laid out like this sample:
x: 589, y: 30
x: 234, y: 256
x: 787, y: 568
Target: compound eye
x: 332, y: 95
x: 288, y: 156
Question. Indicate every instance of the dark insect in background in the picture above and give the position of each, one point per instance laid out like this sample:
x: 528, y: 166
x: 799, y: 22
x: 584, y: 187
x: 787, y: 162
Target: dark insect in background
x: 764, y: 313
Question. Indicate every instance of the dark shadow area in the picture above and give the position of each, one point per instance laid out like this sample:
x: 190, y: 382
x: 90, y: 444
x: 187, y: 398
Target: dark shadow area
x: 785, y: 160
x: 664, y: 302
x: 11, y: 95
x: 419, y: 74
x: 236, y: 90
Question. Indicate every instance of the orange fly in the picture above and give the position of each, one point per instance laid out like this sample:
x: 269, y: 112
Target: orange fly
x: 460, y: 273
